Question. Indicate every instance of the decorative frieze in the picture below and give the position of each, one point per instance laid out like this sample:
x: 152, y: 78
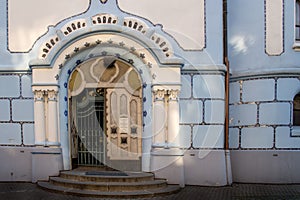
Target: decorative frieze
x: 100, y: 21
x: 135, y: 24
x: 105, y: 19
x: 46, y: 48
x: 73, y: 26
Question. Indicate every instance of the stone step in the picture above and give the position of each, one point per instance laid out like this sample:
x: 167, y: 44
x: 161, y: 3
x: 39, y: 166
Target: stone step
x: 94, y: 168
x: 108, y: 186
x: 170, y: 189
x: 106, y: 176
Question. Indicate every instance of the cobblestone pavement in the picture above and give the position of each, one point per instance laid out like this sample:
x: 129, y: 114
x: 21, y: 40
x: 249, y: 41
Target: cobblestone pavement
x: 29, y: 191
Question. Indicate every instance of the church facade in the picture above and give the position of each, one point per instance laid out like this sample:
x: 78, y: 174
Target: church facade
x: 200, y: 92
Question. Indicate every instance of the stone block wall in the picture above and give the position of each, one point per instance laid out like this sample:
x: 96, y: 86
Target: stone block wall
x: 261, y: 113
x: 16, y: 110
x: 202, y: 110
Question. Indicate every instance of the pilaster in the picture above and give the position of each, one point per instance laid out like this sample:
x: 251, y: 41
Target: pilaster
x: 52, y: 128
x: 159, y: 117
x: 39, y: 118
x: 173, y: 118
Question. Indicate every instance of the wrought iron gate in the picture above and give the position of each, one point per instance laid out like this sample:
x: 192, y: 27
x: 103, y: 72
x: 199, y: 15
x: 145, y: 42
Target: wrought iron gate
x: 90, y: 137
x: 105, y: 114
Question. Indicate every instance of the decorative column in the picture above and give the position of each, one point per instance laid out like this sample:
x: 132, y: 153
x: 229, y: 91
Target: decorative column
x: 159, y: 118
x: 52, y: 119
x: 39, y: 118
x: 173, y: 118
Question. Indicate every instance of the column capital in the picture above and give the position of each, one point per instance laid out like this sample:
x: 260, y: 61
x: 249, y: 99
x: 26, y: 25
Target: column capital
x: 39, y: 95
x: 159, y: 94
x: 52, y: 95
x: 173, y: 95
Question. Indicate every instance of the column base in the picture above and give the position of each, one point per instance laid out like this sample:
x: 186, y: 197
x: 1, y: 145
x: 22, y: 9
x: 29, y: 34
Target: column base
x: 45, y: 162
x: 39, y: 144
x: 53, y: 144
x: 167, y: 162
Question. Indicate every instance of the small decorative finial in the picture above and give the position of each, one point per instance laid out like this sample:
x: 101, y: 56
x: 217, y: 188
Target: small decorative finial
x: 102, y: 5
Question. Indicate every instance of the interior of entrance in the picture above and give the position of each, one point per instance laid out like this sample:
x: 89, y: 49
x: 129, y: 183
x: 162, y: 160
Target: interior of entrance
x: 105, y: 115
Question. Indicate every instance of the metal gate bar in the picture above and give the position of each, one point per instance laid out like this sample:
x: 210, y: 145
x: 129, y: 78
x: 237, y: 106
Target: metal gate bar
x: 91, y: 141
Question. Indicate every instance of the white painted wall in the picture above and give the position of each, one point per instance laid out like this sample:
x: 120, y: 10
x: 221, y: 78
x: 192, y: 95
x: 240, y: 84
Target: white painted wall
x: 261, y: 38
x: 188, y: 28
x: 24, y: 28
x: 261, y: 166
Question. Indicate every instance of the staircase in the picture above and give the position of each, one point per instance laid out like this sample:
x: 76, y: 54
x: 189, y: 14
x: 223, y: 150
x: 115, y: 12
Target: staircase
x: 108, y: 184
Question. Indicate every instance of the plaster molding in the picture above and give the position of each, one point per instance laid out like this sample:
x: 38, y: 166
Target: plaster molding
x: 274, y: 27
x: 265, y: 73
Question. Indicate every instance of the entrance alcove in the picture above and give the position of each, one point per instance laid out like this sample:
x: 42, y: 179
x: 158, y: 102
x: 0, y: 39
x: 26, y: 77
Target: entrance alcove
x: 84, y: 68
x: 105, y: 104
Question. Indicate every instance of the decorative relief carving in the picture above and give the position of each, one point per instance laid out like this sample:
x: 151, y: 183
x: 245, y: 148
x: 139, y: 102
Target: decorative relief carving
x: 52, y: 95
x: 173, y: 95
x: 170, y: 95
x: 104, y: 70
x: 46, y: 48
x: 135, y: 24
x: 73, y: 26
x: 123, y: 104
x: 123, y: 124
x: 104, y: 19
x: 133, y: 112
x: 162, y: 44
x: 154, y: 76
x: 159, y: 95
x: 132, y: 23
x: 39, y: 95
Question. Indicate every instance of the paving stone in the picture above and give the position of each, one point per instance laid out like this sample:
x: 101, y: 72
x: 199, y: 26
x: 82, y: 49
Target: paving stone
x: 29, y: 191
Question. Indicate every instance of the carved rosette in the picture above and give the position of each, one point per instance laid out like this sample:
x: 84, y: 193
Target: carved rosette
x: 52, y: 95
x: 39, y: 95
x: 173, y: 95
x: 159, y: 95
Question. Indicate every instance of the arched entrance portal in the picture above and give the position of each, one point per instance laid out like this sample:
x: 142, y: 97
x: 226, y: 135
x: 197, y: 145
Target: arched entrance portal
x: 105, y: 95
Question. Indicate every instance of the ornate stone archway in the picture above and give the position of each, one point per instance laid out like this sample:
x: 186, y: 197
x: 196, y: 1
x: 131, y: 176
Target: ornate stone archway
x: 127, y: 38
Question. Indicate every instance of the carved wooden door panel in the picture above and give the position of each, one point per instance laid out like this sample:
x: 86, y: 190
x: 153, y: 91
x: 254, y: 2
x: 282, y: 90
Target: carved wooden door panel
x: 123, y: 125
